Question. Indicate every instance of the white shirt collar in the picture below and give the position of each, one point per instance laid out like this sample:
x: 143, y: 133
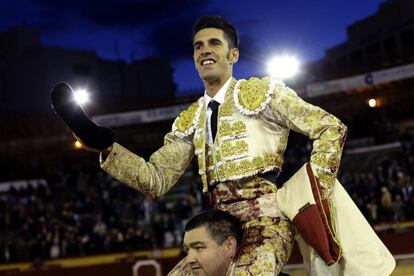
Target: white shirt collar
x: 221, y: 94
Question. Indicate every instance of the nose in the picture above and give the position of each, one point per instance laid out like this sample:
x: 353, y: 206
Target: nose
x: 191, y: 256
x: 205, y: 50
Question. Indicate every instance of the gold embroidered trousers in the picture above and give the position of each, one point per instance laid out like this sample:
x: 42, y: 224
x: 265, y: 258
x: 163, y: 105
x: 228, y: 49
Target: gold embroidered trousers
x: 268, y: 234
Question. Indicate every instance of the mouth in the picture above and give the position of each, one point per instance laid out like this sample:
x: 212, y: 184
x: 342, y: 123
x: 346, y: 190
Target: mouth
x: 207, y: 62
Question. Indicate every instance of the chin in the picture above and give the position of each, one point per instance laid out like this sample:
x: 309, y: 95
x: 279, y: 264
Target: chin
x: 210, y: 77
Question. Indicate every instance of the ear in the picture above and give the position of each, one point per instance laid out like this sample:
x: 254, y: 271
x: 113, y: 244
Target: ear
x: 231, y: 246
x: 234, y: 55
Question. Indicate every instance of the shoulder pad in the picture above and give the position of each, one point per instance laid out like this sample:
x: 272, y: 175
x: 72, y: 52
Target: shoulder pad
x: 252, y: 96
x: 185, y: 124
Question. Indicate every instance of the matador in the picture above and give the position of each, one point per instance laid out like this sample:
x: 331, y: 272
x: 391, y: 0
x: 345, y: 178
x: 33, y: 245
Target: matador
x: 239, y: 132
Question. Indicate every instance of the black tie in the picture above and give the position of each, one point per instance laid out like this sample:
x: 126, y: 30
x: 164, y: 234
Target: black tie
x: 213, y: 105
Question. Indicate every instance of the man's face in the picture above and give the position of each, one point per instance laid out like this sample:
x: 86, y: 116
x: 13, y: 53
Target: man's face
x: 212, y: 57
x: 205, y: 255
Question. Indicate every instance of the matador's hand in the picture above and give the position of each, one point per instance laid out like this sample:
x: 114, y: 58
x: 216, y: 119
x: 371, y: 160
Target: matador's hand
x: 104, y: 151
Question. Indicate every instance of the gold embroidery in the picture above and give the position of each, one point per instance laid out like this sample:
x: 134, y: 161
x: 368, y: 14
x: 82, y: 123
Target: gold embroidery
x: 199, y: 139
x: 186, y: 123
x: 213, y: 159
x: 232, y: 129
x: 225, y: 129
x: 253, y: 93
x: 237, y: 169
x: 231, y: 158
x: 227, y: 108
x: 230, y: 148
x: 199, y: 144
x: 326, y: 130
x: 201, y: 164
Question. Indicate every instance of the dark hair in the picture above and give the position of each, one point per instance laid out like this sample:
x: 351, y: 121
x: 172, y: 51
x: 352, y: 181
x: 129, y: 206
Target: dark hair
x: 218, y: 22
x: 219, y: 224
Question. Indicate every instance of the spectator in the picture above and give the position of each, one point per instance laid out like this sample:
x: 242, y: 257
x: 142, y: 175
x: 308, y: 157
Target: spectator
x: 386, y: 204
x: 398, y: 208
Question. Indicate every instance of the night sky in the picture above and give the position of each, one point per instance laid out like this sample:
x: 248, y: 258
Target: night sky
x: 134, y: 29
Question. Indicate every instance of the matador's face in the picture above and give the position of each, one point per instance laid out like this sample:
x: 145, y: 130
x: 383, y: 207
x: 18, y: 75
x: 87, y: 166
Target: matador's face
x: 212, y: 57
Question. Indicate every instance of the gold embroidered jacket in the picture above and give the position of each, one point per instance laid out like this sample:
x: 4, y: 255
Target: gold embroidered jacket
x: 252, y: 132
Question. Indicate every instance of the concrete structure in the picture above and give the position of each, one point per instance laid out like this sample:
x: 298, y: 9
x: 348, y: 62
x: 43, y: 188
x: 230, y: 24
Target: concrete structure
x: 384, y: 39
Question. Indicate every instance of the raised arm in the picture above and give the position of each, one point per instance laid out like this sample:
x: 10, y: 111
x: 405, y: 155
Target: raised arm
x: 159, y: 174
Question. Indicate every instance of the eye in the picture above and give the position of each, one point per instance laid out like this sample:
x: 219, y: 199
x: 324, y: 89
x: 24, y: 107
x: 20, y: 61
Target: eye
x: 215, y: 42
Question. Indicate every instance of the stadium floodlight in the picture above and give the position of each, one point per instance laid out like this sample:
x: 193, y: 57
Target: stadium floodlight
x: 81, y: 96
x: 283, y: 67
x: 372, y: 103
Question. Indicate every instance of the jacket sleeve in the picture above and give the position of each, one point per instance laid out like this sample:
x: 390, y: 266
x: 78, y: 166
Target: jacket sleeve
x: 159, y: 174
x: 327, y: 132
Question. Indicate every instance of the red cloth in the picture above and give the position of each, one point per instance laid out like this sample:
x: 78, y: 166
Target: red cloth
x: 315, y: 226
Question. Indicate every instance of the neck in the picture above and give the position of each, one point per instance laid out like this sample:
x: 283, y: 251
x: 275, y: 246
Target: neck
x: 213, y: 86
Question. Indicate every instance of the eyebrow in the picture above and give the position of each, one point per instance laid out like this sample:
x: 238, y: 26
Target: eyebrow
x: 193, y: 244
x: 214, y: 39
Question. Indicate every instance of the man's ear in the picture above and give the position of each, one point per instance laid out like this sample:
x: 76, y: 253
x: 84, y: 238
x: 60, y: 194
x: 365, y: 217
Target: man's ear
x: 231, y: 246
x: 234, y: 55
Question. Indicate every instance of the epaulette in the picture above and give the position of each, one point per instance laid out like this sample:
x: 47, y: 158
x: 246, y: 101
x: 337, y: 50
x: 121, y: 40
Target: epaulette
x: 253, y: 95
x: 185, y: 124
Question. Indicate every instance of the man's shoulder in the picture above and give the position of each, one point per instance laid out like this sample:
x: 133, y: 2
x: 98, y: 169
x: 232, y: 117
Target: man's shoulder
x: 253, y: 95
x: 185, y: 124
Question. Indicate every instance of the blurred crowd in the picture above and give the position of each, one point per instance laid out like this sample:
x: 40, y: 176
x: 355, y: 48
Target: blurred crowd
x: 82, y: 211
x: 387, y: 193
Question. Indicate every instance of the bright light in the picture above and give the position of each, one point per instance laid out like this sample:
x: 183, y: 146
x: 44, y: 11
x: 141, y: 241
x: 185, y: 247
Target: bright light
x: 283, y: 67
x: 78, y: 145
x: 81, y: 96
x: 372, y: 102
